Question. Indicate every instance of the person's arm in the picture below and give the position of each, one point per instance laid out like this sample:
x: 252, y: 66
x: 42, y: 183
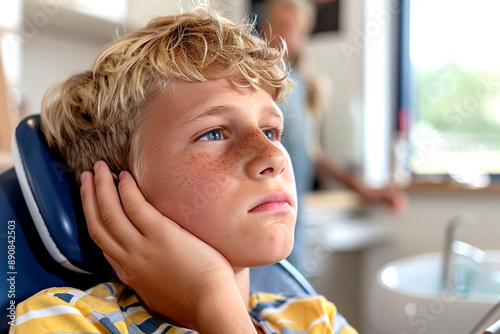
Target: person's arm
x: 395, y: 198
x: 176, y: 274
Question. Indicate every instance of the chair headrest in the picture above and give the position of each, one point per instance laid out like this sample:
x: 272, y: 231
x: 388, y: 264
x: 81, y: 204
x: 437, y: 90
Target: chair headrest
x: 52, y: 195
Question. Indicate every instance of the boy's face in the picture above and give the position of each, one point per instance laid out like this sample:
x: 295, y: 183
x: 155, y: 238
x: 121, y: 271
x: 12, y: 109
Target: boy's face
x: 213, y: 163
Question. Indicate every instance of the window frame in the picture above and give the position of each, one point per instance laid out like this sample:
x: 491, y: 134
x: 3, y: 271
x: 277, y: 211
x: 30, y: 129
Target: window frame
x: 407, y: 108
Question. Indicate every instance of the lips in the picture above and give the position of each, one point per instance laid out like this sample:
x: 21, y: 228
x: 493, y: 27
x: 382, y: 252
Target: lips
x: 276, y: 202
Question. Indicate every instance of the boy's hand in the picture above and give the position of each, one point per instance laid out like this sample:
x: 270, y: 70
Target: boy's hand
x: 175, y: 273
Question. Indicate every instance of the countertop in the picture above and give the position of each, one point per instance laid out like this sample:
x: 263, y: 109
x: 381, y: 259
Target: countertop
x: 341, y: 221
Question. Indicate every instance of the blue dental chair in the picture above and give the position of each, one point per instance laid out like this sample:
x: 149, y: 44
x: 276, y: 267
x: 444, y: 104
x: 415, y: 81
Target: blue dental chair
x: 43, y: 234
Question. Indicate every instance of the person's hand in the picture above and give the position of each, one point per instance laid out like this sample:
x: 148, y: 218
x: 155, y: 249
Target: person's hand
x: 394, y: 198
x: 176, y: 274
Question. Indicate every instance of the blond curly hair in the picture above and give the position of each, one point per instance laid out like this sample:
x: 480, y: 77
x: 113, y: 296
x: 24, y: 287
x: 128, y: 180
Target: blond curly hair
x: 96, y: 115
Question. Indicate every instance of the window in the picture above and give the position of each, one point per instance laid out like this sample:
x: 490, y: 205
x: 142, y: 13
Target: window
x: 450, y: 88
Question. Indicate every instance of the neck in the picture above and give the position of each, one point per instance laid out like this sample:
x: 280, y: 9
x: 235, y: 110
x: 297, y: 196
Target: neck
x: 242, y: 279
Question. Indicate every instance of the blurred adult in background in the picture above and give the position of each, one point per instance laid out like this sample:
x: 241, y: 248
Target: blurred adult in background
x: 293, y: 21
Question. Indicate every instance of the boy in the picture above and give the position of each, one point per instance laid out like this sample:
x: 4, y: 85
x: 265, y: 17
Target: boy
x: 184, y: 110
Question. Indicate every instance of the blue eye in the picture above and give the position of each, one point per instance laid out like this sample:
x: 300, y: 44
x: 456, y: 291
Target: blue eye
x: 212, y: 135
x: 269, y: 134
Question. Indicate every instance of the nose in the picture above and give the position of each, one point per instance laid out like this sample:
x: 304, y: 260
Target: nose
x: 266, y: 158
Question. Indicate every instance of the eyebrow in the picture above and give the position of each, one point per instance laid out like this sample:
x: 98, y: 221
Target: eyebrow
x: 224, y: 109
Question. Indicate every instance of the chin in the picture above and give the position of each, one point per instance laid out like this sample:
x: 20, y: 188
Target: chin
x: 265, y: 256
x: 274, y: 259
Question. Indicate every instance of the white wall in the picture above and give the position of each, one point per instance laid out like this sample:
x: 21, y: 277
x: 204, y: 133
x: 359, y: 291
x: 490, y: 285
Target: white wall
x: 421, y: 228
x: 67, y: 43
x: 343, y: 132
x: 360, y: 62
x: 140, y: 11
x: 50, y: 57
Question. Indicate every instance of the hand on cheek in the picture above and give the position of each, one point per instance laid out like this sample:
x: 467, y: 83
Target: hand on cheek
x: 169, y: 268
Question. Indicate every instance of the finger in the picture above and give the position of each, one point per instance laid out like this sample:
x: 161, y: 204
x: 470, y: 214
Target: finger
x: 402, y: 202
x: 113, y: 217
x: 126, y: 276
x: 145, y: 217
x: 94, y: 225
x: 398, y: 203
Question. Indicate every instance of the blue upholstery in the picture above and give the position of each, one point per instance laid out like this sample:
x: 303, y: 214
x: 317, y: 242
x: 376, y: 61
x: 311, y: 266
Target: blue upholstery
x: 43, y: 230
x: 59, y: 219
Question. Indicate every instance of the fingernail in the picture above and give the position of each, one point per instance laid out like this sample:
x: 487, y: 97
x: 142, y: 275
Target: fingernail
x: 83, y: 177
x: 96, y: 167
x: 122, y: 173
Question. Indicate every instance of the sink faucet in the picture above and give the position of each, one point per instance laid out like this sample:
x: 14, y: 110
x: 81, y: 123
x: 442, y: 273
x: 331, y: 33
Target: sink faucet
x: 451, y: 248
x: 490, y: 324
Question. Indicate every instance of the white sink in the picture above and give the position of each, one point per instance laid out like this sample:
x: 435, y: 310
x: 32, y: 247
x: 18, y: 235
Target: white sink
x: 407, y: 296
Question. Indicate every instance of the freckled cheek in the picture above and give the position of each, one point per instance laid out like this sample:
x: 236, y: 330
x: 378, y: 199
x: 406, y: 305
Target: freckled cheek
x: 198, y: 183
x: 202, y: 169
